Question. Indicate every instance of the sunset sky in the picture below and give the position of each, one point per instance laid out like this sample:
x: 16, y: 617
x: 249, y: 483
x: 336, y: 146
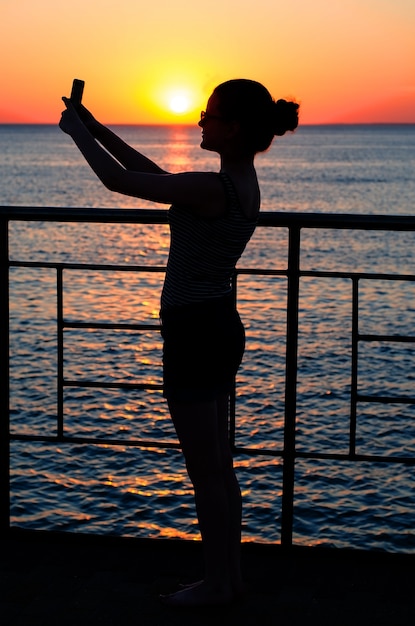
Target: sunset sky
x: 343, y: 60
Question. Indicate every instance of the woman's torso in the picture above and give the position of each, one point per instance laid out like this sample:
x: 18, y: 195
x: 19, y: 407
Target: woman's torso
x: 204, y: 251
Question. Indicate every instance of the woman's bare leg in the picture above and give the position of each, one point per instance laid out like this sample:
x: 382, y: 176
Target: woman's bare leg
x: 202, y: 428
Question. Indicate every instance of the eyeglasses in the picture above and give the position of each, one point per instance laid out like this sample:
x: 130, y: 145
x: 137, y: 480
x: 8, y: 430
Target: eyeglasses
x: 208, y: 116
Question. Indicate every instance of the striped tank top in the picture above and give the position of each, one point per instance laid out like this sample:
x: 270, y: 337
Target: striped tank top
x: 204, y: 251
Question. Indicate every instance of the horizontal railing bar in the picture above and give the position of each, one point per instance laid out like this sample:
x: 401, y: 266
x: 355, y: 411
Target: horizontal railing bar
x: 359, y: 275
x: 257, y: 451
x: 95, y: 441
x: 111, y: 325
x: 385, y: 399
x: 239, y: 270
x: 336, y: 220
x: 138, y: 443
x: 326, y: 274
x: 396, y: 338
x: 82, y: 214
x: 370, y: 458
x: 128, y: 442
x: 160, y: 216
x: 88, y: 266
x: 104, y: 385
x: 261, y: 271
x: 329, y: 456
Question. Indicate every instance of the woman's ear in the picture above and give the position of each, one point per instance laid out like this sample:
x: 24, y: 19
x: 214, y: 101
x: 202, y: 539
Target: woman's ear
x: 233, y: 129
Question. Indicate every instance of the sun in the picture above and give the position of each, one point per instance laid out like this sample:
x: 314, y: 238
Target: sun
x: 179, y: 102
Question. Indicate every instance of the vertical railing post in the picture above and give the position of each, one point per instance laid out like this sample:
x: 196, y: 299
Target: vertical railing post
x: 287, y: 509
x: 354, y: 367
x: 59, y: 377
x: 4, y: 379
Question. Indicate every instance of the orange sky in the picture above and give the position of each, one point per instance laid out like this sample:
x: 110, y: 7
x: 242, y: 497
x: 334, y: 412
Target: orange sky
x: 344, y: 60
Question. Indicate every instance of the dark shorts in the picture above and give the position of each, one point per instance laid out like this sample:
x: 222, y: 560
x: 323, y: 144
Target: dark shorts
x: 203, y: 348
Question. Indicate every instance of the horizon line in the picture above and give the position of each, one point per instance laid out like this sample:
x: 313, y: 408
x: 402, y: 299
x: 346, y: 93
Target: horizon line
x: 192, y: 124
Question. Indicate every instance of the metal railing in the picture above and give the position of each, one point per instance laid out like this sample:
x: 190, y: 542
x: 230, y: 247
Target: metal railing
x: 295, y: 223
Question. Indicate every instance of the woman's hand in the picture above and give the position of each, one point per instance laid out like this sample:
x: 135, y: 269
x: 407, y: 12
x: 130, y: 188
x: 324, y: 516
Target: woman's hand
x: 88, y: 119
x: 70, y: 119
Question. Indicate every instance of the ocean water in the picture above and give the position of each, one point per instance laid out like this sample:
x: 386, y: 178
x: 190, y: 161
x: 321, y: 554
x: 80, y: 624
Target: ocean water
x: 145, y: 492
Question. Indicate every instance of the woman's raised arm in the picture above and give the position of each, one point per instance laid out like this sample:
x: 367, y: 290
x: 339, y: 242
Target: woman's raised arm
x: 201, y: 192
x: 130, y: 158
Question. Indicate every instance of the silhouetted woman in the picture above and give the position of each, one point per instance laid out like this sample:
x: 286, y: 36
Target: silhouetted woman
x: 212, y: 217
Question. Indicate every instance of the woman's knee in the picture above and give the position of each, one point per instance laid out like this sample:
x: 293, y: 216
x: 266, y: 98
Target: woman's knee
x: 205, y: 467
x: 212, y: 466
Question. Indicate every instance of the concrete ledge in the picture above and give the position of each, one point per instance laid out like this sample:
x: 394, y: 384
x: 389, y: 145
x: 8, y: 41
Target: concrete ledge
x: 64, y: 579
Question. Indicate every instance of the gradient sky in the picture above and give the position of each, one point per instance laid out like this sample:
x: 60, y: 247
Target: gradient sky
x: 343, y: 60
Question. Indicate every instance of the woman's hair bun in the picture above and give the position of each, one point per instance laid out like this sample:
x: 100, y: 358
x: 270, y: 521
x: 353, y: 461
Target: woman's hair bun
x: 285, y: 116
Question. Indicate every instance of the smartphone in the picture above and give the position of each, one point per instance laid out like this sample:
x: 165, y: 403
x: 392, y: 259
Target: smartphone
x: 77, y: 91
